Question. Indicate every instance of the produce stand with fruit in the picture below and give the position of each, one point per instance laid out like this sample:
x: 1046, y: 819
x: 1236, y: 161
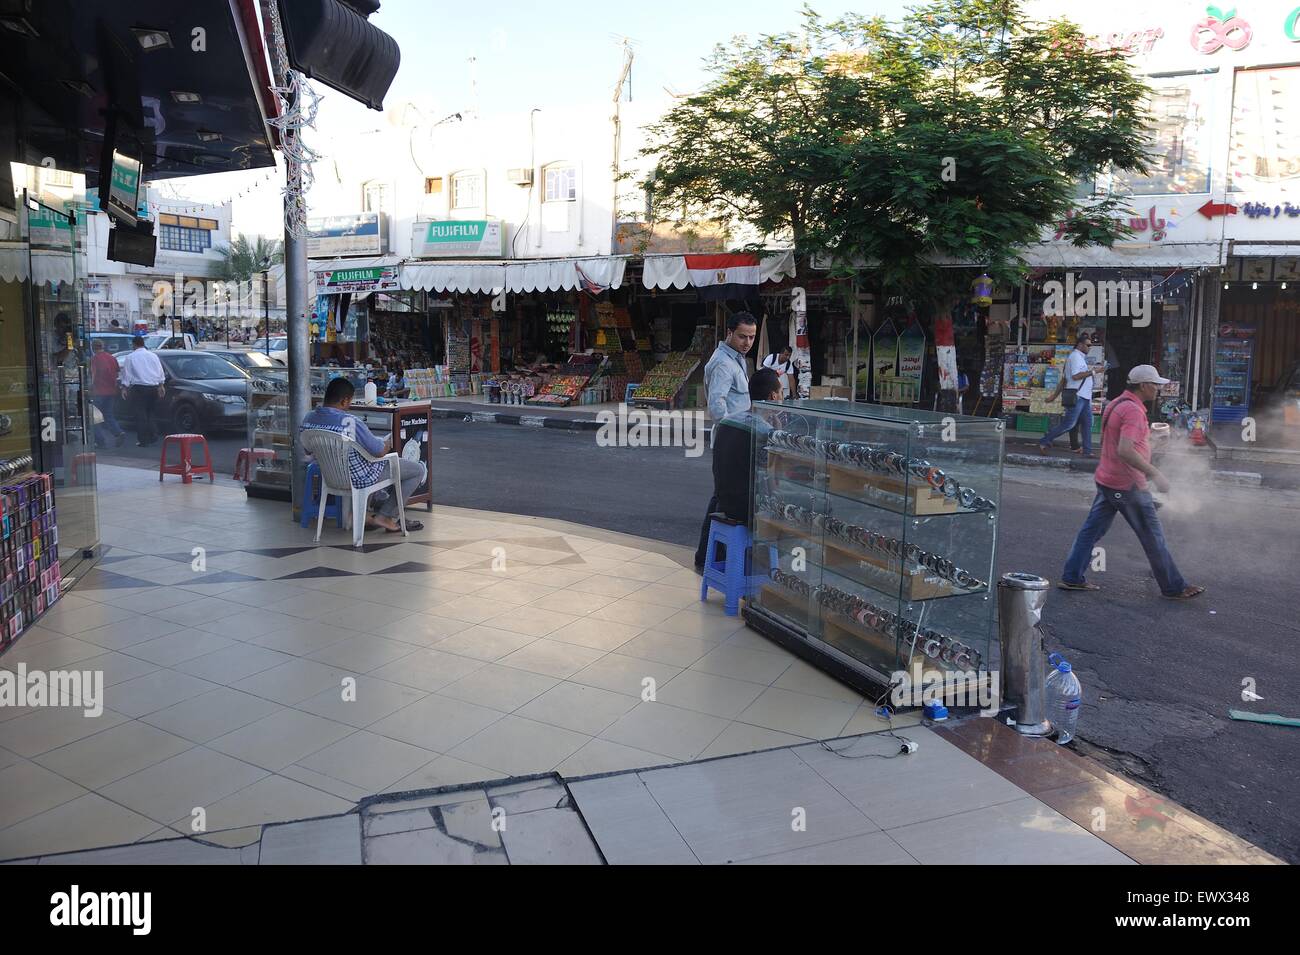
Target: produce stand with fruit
x: 664, y: 382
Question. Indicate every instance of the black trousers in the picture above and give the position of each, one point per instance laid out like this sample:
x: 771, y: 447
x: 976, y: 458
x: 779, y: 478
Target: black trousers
x: 704, y: 532
x: 143, y: 399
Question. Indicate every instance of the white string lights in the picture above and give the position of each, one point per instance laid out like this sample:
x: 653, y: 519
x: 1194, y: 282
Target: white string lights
x: 198, y: 208
x: 298, y: 105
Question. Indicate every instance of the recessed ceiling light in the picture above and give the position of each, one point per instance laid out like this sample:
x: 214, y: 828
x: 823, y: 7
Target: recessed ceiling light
x: 208, y: 136
x: 181, y: 96
x: 151, y: 39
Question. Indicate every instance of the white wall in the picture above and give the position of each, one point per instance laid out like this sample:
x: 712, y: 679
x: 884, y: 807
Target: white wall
x: 403, y: 156
x: 1160, y: 36
x: 131, y: 285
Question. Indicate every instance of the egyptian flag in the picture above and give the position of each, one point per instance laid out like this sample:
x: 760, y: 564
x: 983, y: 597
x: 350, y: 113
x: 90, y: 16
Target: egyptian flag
x: 721, y: 277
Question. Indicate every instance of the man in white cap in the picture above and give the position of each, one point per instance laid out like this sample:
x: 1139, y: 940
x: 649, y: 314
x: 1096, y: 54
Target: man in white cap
x: 1121, y: 480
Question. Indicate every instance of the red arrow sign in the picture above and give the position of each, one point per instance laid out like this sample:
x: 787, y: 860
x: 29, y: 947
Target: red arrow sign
x: 1212, y: 209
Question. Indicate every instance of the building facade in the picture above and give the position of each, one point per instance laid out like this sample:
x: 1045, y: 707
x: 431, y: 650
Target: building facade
x: 1217, y: 221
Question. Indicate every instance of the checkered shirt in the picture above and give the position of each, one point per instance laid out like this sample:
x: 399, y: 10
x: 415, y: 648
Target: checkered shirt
x: 363, y: 472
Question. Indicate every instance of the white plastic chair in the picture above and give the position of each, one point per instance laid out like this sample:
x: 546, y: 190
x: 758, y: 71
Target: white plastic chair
x: 330, y: 450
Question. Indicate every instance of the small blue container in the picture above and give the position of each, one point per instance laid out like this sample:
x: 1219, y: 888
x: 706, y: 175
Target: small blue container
x: 936, y: 711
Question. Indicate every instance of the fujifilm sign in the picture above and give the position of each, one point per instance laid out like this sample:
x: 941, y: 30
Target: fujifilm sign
x: 457, y: 238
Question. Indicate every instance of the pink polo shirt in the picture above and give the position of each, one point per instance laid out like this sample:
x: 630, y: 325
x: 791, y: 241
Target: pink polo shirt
x: 1125, y: 417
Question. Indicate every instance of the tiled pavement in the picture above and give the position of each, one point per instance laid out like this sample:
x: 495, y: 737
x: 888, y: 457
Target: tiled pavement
x: 489, y: 647
x: 485, y: 646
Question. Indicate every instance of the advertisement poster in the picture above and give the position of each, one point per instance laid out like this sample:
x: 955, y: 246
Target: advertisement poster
x: 362, y: 281
x: 884, y: 360
x: 911, y: 354
x: 359, y: 234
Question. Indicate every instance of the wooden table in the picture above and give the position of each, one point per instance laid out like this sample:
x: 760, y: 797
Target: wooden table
x: 404, y: 420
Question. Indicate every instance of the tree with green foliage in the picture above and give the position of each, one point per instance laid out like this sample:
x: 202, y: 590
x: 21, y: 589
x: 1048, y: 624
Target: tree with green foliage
x: 956, y: 135
x: 243, y: 259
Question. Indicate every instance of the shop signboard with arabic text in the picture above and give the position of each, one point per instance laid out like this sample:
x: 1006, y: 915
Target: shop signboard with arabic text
x: 1159, y: 36
x: 363, y: 281
x: 363, y: 233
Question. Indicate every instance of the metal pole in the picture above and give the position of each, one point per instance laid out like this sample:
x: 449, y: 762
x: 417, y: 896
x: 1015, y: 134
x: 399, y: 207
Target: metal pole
x: 299, y: 334
x: 856, y: 312
x: 295, y: 297
x: 266, y: 305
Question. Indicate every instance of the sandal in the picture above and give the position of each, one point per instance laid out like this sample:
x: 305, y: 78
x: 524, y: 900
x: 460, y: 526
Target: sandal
x: 1187, y: 594
x: 411, y: 525
x: 1065, y: 585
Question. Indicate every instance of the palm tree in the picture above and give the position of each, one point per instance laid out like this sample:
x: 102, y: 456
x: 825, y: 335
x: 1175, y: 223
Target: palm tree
x: 243, y: 259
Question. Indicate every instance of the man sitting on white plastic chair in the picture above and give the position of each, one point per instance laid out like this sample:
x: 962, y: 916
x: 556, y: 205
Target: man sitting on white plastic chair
x: 333, y: 415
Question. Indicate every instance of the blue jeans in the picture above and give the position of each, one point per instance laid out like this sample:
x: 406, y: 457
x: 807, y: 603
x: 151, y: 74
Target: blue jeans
x: 1138, y: 509
x: 1080, y: 413
x: 105, y: 405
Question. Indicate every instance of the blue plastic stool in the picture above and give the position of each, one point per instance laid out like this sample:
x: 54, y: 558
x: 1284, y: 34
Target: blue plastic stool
x: 731, y: 577
x: 311, y: 500
x: 627, y: 395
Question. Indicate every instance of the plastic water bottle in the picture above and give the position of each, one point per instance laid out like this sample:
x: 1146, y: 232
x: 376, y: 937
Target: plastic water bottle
x: 1064, y: 695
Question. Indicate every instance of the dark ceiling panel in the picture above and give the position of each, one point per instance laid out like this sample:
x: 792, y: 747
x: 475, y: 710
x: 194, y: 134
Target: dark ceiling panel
x: 88, y: 58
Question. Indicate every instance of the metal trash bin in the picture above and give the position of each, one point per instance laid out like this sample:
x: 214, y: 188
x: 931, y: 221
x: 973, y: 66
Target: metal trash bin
x: 1024, y: 658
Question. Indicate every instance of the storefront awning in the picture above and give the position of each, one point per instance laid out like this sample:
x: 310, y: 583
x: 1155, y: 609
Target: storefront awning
x: 1155, y: 255
x: 678, y: 271
x: 544, y: 275
x: 46, y: 267
x: 1252, y: 250
x: 354, y: 262
x: 13, y: 263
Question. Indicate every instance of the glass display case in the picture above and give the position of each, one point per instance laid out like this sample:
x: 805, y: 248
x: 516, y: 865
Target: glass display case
x: 876, y: 528
x: 268, y: 423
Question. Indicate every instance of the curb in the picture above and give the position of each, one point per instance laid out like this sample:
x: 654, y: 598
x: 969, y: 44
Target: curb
x: 526, y: 420
x: 531, y: 421
x: 1035, y: 461
x: 1241, y: 478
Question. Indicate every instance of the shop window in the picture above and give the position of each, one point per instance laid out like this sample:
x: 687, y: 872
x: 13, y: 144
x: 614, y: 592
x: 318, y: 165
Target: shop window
x: 432, y: 185
x: 374, y: 197
x: 57, y: 177
x: 175, y: 238
x: 467, y: 190
x: 1178, y: 143
x: 1264, y: 151
x: 561, y: 184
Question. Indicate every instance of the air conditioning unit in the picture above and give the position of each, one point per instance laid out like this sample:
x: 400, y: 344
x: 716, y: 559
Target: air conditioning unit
x: 520, y: 177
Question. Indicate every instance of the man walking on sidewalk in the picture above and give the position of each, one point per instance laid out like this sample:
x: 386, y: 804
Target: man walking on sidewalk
x: 1122, y: 489
x: 1075, y: 389
x: 103, y: 393
x: 142, y: 385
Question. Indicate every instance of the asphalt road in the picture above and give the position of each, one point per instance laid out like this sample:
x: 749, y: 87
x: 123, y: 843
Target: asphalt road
x: 1159, y: 676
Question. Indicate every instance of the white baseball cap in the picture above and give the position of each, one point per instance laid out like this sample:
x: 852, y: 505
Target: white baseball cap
x: 1146, y: 375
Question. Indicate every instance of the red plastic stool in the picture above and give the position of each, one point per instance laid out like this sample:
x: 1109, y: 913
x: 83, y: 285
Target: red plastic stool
x: 185, y: 466
x: 87, y: 457
x: 246, y: 460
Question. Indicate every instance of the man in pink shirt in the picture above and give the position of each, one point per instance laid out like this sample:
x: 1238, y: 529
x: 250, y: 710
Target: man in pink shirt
x: 1121, y: 480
